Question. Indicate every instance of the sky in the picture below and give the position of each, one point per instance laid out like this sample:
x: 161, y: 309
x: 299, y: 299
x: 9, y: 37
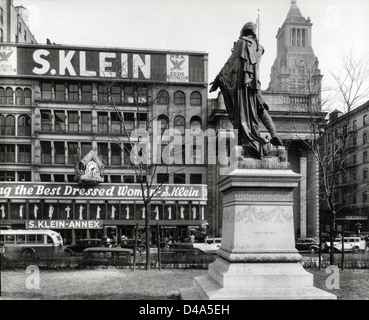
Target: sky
x: 209, y: 26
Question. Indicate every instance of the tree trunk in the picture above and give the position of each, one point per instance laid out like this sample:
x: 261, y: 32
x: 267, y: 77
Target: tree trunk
x: 148, y: 234
x: 331, y: 253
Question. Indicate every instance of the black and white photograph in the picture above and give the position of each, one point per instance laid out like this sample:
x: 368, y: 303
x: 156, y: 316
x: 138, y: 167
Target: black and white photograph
x: 184, y: 156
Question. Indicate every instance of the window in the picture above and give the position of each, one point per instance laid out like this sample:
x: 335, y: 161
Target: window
x: 24, y: 153
x: 19, y: 97
x: 164, y: 123
x: 86, y: 121
x: 162, y: 178
x: 129, y: 121
x: 115, y: 179
x: 2, y: 125
x: 1, y: 15
x: 365, y: 118
x: 45, y: 152
x: 59, y: 178
x: 103, y: 93
x: 72, y: 152
x: 195, y: 123
x: 45, y: 120
x: 86, y: 93
x: 163, y: 97
x: 116, y: 94
x: 45, y: 177
x: 179, y: 178
x: 142, y: 120
x: 59, y: 92
x: 365, y: 138
x: 129, y: 95
x: 7, y: 176
x: 24, y: 176
x: 27, y: 97
x: 24, y: 125
x: 365, y: 197
x: 179, y: 124
x: 102, y: 122
x: 46, y: 91
x: 141, y: 95
x: 85, y: 148
x: 2, y: 95
x: 128, y: 179
x: 365, y: 156
x: 365, y: 175
x: 1, y: 34
x: 115, y: 122
x: 59, y: 118
x: 59, y: 152
x: 127, y: 153
x: 9, y: 96
x: 354, y: 126
x: 10, y: 126
x: 7, y: 153
x: 102, y: 150
x: 195, y: 99
x: 195, y: 178
x: 73, y: 121
x: 116, y: 154
x: 73, y: 94
x: 179, y: 98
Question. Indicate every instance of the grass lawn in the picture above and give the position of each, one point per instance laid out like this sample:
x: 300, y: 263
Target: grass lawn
x: 124, y: 284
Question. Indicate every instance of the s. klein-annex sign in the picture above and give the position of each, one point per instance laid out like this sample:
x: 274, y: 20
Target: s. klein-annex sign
x: 117, y: 64
x: 30, y: 190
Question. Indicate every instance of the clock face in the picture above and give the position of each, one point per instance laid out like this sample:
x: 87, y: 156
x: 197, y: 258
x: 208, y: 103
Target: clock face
x: 300, y: 61
x: 91, y: 167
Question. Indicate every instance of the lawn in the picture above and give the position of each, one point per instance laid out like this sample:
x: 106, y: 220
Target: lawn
x: 124, y: 284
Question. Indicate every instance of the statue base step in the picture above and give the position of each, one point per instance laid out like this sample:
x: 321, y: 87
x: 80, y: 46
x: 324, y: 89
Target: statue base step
x: 254, y: 281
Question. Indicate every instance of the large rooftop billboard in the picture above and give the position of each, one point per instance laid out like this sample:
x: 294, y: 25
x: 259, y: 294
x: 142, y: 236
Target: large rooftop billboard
x: 89, y: 63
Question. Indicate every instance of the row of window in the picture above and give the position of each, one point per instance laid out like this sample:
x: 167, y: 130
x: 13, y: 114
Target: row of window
x: 15, y: 153
x: 18, y: 96
x: 115, y: 94
x: 10, y: 127
x: 82, y: 121
x: 101, y: 211
x: 166, y: 178
x: 354, y: 127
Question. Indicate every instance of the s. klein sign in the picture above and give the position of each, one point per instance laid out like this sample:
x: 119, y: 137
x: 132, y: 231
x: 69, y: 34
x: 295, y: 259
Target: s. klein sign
x: 64, y: 224
x: 73, y: 62
x: 30, y: 190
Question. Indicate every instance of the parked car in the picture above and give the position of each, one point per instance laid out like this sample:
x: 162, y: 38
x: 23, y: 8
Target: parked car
x: 307, y: 245
x: 210, y: 245
x: 350, y: 244
x: 183, y: 248
x: 81, y: 245
x: 107, y: 256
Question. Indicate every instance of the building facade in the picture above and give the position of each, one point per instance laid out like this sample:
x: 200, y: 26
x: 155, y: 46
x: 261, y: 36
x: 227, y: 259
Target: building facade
x: 14, y: 23
x: 61, y: 104
x: 349, y: 132
x: 293, y: 97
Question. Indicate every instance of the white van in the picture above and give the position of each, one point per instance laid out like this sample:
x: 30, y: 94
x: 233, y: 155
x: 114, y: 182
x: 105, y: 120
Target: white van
x: 353, y: 244
x: 210, y: 244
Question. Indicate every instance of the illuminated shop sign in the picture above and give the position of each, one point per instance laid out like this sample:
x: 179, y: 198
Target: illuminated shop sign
x: 29, y: 190
x: 64, y: 224
x: 50, y: 61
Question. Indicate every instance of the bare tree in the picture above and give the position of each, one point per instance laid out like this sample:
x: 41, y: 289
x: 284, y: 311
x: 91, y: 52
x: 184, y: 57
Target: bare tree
x: 334, y: 150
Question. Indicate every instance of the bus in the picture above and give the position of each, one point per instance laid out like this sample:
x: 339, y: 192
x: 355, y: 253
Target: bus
x: 30, y: 243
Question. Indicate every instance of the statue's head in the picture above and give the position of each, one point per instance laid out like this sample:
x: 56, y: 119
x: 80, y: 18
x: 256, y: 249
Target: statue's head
x: 249, y: 29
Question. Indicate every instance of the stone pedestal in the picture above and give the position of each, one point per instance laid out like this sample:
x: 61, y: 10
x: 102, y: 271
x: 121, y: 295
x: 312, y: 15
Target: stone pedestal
x: 257, y: 258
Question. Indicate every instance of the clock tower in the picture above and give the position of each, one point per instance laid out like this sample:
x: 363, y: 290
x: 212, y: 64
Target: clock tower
x: 295, y: 69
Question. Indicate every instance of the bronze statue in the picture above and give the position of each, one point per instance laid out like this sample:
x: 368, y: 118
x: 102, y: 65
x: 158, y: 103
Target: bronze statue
x: 239, y: 83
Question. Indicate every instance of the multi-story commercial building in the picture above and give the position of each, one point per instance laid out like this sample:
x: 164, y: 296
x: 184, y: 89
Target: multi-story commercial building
x: 293, y: 97
x: 70, y: 112
x: 347, y: 134
x: 14, y: 23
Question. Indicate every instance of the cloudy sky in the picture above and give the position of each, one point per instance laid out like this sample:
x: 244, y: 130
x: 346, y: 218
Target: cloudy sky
x: 201, y: 25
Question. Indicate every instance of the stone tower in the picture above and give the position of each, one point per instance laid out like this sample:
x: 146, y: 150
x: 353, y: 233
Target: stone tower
x: 295, y: 69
